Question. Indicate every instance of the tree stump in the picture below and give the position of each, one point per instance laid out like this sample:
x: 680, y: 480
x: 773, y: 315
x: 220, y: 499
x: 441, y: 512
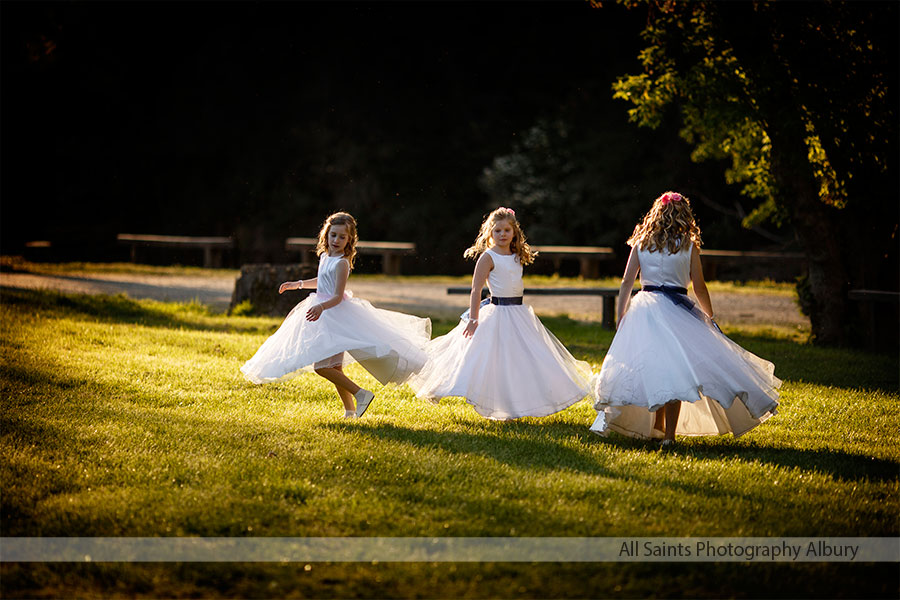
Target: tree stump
x: 259, y: 284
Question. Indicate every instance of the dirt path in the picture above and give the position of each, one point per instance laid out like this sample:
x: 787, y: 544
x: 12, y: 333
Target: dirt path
x: 413, y: 297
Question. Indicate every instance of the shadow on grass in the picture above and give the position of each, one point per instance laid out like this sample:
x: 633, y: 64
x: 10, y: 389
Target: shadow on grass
x: 518, y: 444
x: 120, y: 308
x: 548, y: 446
x: 836, y: 367
x: 838, y: 464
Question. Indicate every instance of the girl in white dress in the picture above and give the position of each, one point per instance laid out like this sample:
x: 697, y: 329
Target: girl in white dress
x: 500, y: 357
x: 331, y: 327
x: 669, y: 369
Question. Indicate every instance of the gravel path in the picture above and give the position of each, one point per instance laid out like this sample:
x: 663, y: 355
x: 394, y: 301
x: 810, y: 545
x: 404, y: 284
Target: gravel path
x: 413, y: 297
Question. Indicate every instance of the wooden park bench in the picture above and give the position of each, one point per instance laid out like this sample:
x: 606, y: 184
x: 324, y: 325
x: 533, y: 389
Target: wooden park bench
x: 588, y: 256
x: 391, y: 252
x: 608, y: 296
x: 714, y: 259
x: 39, y: 250
x: 212, y: 247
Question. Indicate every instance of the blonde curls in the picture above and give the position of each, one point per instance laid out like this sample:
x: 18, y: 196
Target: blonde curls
x: 518, y: 245
x: 339, y: 218
x: 669, y: 224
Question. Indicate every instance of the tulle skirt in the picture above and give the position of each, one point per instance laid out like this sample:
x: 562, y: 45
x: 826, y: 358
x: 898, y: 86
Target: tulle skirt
x: 662, y: 352
x: 511, y: 367
x: 388, y: 344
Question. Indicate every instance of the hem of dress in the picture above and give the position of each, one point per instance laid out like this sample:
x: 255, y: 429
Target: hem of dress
x: 658, y: 434
x: 637, y: 435
x: 600, y: 404
x: 348, y: 359
x: 544, y: 411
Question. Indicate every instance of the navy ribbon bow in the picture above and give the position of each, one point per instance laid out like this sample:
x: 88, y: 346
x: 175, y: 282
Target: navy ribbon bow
x: 465, y: 315
x: 679, y: 296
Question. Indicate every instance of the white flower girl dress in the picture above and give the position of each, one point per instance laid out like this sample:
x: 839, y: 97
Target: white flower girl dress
x: 667, y: 349
x: 512, y: 366
x: 388, y: 344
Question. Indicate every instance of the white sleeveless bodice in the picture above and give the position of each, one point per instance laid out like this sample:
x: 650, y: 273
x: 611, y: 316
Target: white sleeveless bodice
x: 327, y: 275
x: 662, y: 268
x: 505, y: 280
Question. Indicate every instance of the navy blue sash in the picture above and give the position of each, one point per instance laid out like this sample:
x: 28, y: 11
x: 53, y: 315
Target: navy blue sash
x: 494, y: 300
x: 506, y: 301
x: 679, y: 296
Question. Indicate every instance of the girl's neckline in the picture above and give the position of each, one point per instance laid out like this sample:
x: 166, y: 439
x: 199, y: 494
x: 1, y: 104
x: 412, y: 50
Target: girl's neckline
x: 498, y: 254
x: 330, y: 256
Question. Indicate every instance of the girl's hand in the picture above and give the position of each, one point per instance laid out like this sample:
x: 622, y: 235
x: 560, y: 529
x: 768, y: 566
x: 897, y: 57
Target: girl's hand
x: 314, y: 312
x: 470, y: 329
x: 289, y: 285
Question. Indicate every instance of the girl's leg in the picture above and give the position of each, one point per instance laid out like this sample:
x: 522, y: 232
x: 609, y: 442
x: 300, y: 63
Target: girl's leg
x: 345, y: 387
x: 673, y: 409
x: 332, y: 369
x: 346, y: 396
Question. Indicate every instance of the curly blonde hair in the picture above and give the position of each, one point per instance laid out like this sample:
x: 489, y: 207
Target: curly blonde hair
x: 669, y: 224
x: 518, y: 245
x: 339, y: 218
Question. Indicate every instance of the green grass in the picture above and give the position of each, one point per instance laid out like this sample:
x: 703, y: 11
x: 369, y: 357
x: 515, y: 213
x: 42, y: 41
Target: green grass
x: 130, y: 418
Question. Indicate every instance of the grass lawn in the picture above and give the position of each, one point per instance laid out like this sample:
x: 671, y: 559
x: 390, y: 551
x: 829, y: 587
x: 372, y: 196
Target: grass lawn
x: 130, y: 418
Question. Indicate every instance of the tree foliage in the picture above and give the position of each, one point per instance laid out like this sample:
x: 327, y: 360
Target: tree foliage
x: 584, y: 176
x: 800, y: 98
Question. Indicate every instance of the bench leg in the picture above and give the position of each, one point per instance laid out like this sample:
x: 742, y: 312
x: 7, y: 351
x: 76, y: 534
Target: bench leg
x: 590, y: 268
x: 390, y: 264
x: 134, y: 253
x: 305, y: 259
x: 608, y: 316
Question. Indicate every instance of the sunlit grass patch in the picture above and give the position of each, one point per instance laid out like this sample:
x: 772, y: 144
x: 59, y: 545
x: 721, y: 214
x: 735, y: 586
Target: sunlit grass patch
x: 763, y: 286
x: 131, y: 418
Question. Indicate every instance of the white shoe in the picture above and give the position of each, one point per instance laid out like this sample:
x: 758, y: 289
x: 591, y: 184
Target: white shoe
x: 349, y: 414
x: 600, y: 426
x: 363, y: 399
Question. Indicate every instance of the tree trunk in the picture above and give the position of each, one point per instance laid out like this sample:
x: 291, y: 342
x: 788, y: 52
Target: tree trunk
x: 259, y: 284
x: 749, y: 30
x: 816, y: 225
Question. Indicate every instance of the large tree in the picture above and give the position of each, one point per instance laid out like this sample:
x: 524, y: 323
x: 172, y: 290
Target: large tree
x: 802, y: 98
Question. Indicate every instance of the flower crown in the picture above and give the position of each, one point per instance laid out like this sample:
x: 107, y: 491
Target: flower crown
x: 670, y: 197
x: 509, y: 209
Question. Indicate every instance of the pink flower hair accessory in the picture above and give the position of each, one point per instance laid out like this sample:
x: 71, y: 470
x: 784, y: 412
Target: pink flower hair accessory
x: 670, y: 197
x: 509, y: 209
